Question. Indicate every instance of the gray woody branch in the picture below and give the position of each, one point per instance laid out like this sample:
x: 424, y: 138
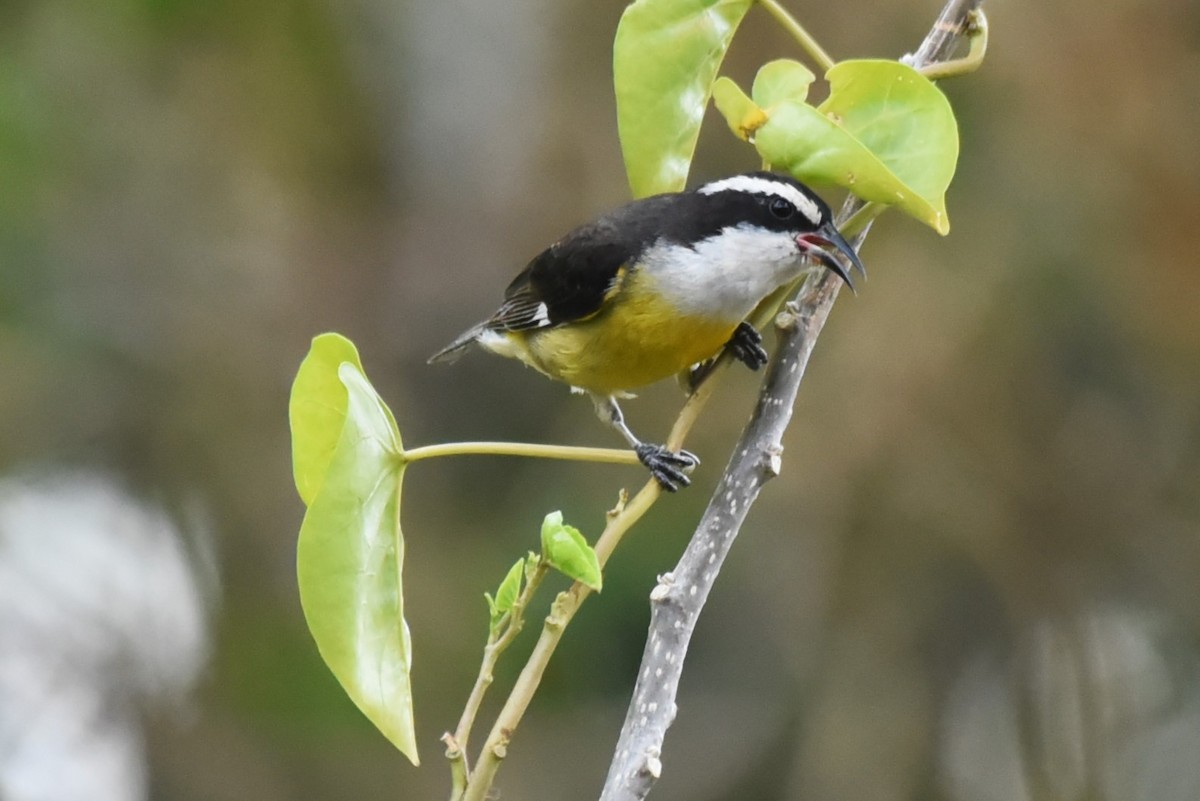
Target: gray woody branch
x: 678, y: 598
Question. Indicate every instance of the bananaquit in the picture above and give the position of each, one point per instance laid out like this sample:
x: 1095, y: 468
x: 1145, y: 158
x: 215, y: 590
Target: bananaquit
x: 659, y: 285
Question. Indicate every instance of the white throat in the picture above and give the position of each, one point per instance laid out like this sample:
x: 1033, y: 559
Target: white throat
x: 725, y: 275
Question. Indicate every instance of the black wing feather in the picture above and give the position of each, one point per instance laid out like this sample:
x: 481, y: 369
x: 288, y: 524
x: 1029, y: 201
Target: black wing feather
x: 572, y: 279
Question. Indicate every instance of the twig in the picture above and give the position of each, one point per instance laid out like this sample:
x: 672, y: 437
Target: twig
x: 680, y: 595
x: 498, y: 642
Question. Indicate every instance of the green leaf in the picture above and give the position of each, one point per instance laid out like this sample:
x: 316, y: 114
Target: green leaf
x: 507, y: 594
x: 565, y: 549
x: 742, y: 114
x: 665, y: 59
x: 885, y: 132
x: 317, y: 409
x: 815, y: 149
x: 780, y: 80
x: 904, y: 119
x: 351, y: 549
x: 777, y: 81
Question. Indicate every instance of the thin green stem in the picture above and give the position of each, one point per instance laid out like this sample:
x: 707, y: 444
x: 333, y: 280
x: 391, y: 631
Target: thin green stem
x: 568, y: 452
x: 814, y: 50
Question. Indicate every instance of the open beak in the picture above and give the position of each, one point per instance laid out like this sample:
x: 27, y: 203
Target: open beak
x: 823, y: 243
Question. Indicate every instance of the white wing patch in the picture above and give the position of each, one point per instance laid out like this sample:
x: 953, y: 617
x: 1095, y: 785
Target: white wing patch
x: 763, y: 186
x: 541, y: 316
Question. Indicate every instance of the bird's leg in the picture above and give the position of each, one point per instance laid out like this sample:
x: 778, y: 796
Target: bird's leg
x: 746, y: 346
x: 667, y: 467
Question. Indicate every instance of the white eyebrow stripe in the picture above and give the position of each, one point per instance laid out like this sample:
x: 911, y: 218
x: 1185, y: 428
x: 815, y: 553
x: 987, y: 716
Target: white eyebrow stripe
x: 762, y: 186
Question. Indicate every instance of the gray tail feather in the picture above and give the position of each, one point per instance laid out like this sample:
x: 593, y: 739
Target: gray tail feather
x: 455, y: 349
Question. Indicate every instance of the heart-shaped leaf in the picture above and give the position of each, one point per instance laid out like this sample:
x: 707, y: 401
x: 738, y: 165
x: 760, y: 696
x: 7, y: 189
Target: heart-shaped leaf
x: 814, y: 148
x: 349, y: 467
x: 904, y: 119
x: 665, y: 59
x: 885, y: 132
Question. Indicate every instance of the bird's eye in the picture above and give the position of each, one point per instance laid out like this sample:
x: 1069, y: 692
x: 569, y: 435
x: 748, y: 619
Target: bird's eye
x: 781, y: 208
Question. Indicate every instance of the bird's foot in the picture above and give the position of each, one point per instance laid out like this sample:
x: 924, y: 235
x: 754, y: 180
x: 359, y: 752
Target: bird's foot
x: 746, y: 346
x: 668, y: 468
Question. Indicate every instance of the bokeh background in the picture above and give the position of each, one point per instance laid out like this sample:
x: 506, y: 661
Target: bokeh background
x: 976, y: 579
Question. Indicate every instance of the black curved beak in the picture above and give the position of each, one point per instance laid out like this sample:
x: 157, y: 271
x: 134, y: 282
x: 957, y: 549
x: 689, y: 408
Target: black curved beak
x: 823, y: 243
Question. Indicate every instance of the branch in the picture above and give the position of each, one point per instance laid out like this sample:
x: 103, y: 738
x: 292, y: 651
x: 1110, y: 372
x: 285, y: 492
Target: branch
x: 678, y: 599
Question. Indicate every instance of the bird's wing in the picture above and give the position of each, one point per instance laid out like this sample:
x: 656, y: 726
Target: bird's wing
x: 569, y: 281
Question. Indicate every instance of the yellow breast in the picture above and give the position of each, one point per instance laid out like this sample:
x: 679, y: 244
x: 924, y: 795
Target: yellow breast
x: 636, y: 341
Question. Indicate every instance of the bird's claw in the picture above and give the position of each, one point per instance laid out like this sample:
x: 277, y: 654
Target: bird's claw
x: 668, y: 467
x: 746, y: 346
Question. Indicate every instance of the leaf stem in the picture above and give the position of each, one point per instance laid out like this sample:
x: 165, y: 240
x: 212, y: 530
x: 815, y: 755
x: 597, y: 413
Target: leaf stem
x: 792, y: 26
x: 540, y: 451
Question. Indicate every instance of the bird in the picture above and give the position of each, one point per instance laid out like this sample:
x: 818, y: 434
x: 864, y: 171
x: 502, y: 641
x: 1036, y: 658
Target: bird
x: 658, y: 286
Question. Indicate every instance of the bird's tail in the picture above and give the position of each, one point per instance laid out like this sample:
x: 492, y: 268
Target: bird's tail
x: 455, y: 349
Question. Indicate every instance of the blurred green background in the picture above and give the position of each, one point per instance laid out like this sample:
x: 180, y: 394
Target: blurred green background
x: 974, y: 581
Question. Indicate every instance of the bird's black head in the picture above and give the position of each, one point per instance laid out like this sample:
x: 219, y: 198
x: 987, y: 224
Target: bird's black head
x: 762, y: 199
x: 767, y: 201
